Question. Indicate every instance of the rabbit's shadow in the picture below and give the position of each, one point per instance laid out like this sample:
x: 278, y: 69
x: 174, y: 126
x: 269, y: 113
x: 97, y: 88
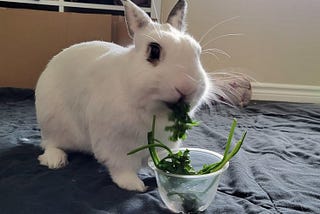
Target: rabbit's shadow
x: 82, y: 184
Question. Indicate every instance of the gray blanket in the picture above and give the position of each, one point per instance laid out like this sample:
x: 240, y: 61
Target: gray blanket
x: 276, y: 171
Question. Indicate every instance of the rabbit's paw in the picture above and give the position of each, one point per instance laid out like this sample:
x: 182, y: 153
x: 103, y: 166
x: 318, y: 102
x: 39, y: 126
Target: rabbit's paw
x: 53, y: 158
x: 128, y: 181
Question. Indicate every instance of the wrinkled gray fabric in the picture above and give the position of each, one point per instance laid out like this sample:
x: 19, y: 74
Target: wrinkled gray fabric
x: 276, y: 171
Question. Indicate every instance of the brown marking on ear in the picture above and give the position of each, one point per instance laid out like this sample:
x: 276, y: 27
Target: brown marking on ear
x: 140, y: 22
x: 136, y: 18
x: 177, y: 15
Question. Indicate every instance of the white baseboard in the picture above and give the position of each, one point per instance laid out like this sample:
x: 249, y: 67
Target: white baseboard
x: 285, y: 92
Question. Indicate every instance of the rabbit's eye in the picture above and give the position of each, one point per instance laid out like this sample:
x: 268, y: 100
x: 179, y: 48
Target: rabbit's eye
x: 154, y: 51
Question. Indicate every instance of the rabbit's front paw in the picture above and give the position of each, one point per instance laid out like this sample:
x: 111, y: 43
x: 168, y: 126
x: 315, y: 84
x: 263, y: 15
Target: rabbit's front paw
x: 53, y: 158
x: 128, y: 181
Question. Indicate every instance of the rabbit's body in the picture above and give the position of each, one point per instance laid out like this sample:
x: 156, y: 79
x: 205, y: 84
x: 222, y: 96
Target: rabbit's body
x: 100, y: 98
x: 66, y: 82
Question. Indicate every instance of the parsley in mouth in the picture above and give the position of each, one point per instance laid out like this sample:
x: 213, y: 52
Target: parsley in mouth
x: 181, y: 121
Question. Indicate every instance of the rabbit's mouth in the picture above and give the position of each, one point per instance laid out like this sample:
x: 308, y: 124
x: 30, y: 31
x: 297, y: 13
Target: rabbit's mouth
x: 182, y: 98
x: 168, y: 101
x: 171, y: 105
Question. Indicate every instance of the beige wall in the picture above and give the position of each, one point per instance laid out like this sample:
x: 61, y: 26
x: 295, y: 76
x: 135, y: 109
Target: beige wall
x: 281, y: 41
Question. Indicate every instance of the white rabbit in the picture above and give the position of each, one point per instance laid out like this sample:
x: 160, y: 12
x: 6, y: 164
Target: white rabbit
x: 99, y: 97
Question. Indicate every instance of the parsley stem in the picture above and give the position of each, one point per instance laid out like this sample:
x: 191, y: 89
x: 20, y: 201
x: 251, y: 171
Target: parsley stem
x: 228, y: 145
x: 227, y: 155
x: 160, y: 145
x: 151, y: 138
x: 237, y: 146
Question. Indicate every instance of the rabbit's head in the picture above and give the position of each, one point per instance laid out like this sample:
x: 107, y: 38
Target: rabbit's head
x: 166, y: 58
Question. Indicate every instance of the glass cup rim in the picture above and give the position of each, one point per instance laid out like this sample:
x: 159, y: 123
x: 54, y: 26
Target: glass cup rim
x: 151, y: 164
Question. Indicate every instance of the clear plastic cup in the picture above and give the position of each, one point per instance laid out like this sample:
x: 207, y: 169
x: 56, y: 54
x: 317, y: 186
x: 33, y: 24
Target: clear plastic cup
x: 189, y: 193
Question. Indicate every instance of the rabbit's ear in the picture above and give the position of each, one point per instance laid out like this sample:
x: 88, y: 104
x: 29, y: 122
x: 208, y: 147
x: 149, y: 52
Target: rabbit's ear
x: 136, y: 18
x: 177, y: 15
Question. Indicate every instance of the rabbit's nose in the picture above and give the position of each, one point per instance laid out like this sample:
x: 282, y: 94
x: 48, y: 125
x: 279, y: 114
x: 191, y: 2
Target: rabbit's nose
x: 181, y: 99
x: 182, y: 95
x: 186, y: 94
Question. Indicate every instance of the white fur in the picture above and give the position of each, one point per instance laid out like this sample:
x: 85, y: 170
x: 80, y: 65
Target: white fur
x: 99, y: 97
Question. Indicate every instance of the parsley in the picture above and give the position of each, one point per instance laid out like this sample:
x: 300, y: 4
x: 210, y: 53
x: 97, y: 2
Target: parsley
x: 181, y: 121
x: 179, y: 163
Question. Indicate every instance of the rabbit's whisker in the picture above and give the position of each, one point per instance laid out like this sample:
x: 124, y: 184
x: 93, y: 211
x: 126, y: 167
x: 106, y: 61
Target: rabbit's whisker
x: 226, y: 99
x: 234, y: 73
x: 212, y: 54
x: 157, y: 30
x: 216, y: 93
x: 224, y: 78
x: 215, y: 26
x: 216, y: 50
x: 222, y: 36
x: 187, y: 75
x: 191, y: 78
x: 180, y: 66
x: 232, y: 91
x: 146, y: 35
